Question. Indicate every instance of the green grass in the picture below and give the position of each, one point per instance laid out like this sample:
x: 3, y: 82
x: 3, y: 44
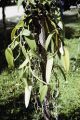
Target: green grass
x: 70, y: 90
x: 10, y: 85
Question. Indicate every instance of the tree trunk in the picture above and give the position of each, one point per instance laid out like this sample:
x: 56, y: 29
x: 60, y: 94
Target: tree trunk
x: 42, y: 51
x: 3, y: 14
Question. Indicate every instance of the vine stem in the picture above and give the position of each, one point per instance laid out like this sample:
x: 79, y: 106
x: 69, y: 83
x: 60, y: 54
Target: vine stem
x: 37, y: 77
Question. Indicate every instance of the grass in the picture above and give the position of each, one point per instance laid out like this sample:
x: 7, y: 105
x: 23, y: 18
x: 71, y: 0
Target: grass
x: 10, y: 85
x: 73, y: 29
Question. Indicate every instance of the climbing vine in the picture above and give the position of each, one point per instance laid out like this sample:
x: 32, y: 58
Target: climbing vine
x: 38, y: 39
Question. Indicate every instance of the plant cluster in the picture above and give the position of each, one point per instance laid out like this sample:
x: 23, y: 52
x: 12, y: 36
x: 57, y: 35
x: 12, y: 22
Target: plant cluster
x: 38, y: 37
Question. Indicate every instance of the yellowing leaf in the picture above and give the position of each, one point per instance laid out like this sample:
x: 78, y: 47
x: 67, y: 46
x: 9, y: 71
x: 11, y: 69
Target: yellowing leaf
x: 13, y: 33
x: 43, y: 92
x: 27, y: 94
x: 49, y: 66
x: 19, y: 25
x: 9, y: 57
x: 48, y: 41
x: 65, y: 59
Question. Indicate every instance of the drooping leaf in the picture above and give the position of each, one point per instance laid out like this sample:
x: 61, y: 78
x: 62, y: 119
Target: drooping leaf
x: 19, y: 25
x: 49, y: 66
x: 48, y: 40
x: 61, y: 70
x: 31, y: 43
x: 43, y: 92
x: 60, y: 24
x: 65, y: 59
x: 28, y: 89
x: 24, y: 63
x: 13, y: 33
x: 9, y: 57
x: 61, y: 49
x: 52, y: 46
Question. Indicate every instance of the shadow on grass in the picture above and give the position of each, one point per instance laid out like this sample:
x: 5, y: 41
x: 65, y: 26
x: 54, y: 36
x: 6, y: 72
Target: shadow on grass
x: 75, y: 115
x: 15, y: 110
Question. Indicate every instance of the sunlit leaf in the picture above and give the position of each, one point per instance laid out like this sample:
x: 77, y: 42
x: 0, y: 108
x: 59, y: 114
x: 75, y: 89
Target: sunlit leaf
x: 9, y: 57
x: 49, y: 66
x: 60, y: 24
x: 43, y: 92
x: 65, y: 59
x: 28, y: 89
x: 31, y: 43
x: 52, y: 46
x: 48, y: 40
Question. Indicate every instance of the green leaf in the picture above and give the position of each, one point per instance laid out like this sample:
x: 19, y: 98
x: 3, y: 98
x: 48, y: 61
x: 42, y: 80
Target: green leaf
x: 26, y: 32
x: 52, y: 46
x: 21, y: 73
x: 65, y: 59
x: 20, y: 24
x: 31, y: 43
x: 13, y: 33
x: 61, y: 70
x: 28, y: 89
x: 14, y: 44
x: 49, y: 66
x: 9, y: 57
x: 19, y: 3
x: 24, y: 63
x: 43, y: 92
x: 48, y: 40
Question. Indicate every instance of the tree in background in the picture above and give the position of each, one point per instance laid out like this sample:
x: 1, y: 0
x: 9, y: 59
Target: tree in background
x: 38, y: 39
